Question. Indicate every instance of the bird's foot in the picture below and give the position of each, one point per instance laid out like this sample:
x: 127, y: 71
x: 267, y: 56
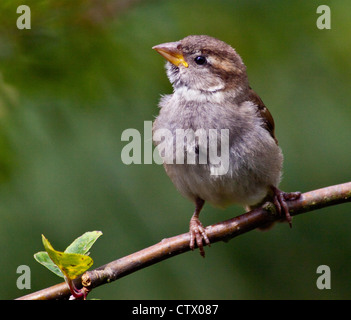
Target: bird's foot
x: 198, y: 235
x: 279, y: 200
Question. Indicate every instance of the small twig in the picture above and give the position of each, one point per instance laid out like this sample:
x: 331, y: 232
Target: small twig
x: 221, y: 231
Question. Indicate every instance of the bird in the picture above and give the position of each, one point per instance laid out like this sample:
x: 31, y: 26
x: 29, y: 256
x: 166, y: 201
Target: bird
x: 211, y: 93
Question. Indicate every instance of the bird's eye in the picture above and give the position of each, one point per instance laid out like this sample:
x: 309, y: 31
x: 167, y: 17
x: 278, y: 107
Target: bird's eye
x: 200, y: 60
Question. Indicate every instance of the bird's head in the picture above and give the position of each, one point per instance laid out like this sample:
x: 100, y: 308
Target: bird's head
x: 203, y: 63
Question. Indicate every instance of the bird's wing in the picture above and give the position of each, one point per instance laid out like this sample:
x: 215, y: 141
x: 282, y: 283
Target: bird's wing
x: 263, y: 112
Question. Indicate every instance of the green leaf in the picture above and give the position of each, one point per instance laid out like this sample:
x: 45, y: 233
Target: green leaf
x: 83, y: 243
x: 71, y: 265
x: 43, y: 258
x: 73, y: 261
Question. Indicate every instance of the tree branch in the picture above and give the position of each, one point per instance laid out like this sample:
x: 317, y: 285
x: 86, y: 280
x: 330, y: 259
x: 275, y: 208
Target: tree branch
x: 222, y: 231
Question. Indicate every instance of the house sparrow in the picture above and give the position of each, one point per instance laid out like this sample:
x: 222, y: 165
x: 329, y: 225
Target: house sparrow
x: 211, y: 91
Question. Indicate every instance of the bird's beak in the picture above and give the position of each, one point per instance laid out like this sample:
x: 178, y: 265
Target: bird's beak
x: 171, y: 51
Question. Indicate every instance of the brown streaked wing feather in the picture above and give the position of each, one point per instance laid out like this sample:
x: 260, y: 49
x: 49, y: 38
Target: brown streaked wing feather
x: 264, y: 113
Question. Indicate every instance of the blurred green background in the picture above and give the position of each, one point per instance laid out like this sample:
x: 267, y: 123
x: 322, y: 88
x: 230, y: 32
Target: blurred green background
x: 85, y: 72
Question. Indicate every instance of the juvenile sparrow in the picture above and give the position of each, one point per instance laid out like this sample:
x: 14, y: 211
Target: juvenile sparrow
x: 212, y: 92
